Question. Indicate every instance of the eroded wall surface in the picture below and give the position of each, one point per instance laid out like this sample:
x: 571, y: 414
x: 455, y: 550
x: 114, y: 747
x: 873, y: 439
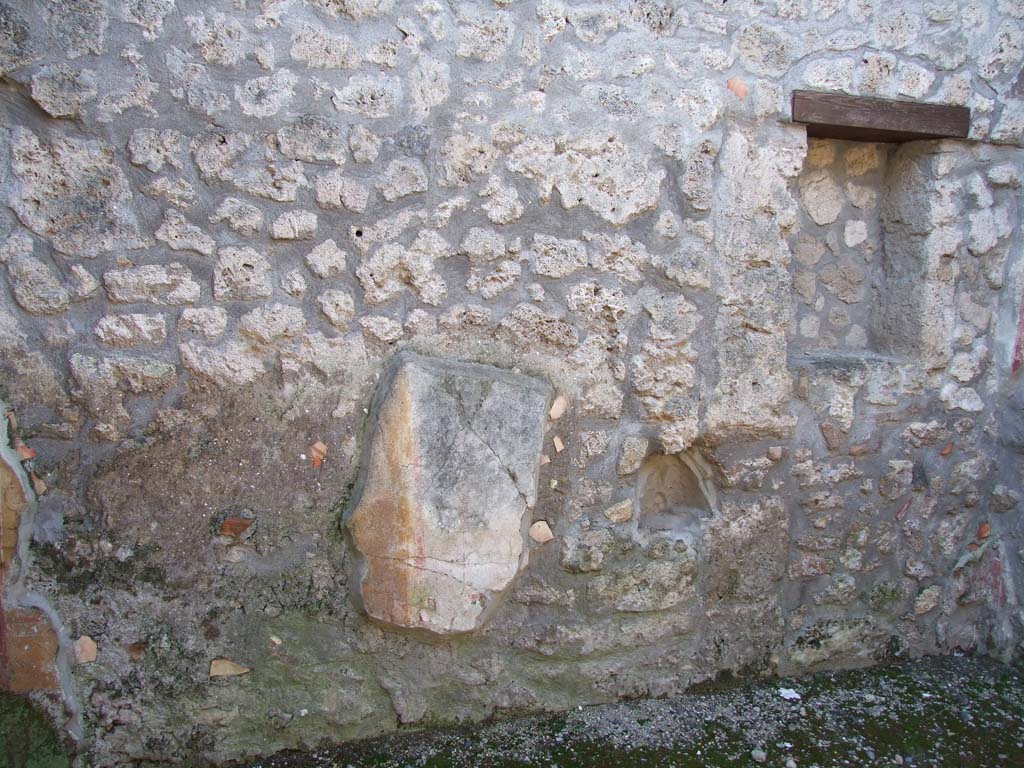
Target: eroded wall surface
x: 786, y: 425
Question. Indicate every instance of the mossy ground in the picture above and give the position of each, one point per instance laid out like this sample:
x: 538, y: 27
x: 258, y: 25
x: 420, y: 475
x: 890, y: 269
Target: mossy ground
x: 26, y: 738
x: 936, y: 713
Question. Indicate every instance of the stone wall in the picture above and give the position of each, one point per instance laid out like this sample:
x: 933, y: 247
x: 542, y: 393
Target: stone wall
x: 785, y: 425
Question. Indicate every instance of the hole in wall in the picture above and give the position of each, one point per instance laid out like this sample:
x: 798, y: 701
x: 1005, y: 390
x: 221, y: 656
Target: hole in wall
x: 675, y: 493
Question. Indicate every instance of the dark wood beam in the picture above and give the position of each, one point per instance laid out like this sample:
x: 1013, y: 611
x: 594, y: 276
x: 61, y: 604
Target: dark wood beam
x: 858, y: 118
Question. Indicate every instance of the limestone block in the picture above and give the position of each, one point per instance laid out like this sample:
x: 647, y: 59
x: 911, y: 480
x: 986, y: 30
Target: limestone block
x: 403, y: 177
x: 335, y: 192
x: 241, y: 274
x: 294, y: 225
x: 370, y: 96
x: 266, y: 96
x: 73, y: 193
x: 338, y: 306
x: 313, y: 139
x: 230, y: 366
x: 169, y: 284
x: 270, y: 323
x: 131, y: 330
x: 597, y: 170
x: 36, y: 288
x: 365, y: 144
x: 245, y: 218
x: 822, y: 197
x: 62, y: 90
x: 354, y: 9
x: 152, y: 148
x: 180, y: 235
x: 445, y: 497
x: 327, y: 260
x: 485, y: 36
x: 208, y: 322
x: 322, y: 50
x: 557, y: 258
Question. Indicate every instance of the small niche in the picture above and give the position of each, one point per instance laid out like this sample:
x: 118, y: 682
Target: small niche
x: 874, y: 246
x: 675, y: 493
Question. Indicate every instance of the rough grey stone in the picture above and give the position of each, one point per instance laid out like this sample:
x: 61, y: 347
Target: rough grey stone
x: 320, y: 49
x: 230, y: 366
x: 153, y: 148
x: 294, y: 225
x: 207, y: 322
x: 327, y: 260
x: 63, y: 91
x: 335, y: 191
x: 338, y: 306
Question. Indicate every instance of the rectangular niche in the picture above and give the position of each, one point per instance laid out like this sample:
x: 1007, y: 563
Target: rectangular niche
x: 837, y: 246
x: 870, y: 273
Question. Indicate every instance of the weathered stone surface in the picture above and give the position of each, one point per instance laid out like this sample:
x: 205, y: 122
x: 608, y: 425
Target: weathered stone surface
x: 338, y: 306
x: 268, y: 95
x: 294, y: 225
x: 371, y: 96
x: 154, y: 284
x: 63, y: 91
x: 131, y: 330
x: 36, y: 288
x: 180, y: 235
x: 557, y: 258
x: 229, y: 366
x: 241, y: 274
x: 634, y: 451
x: 822, y: 197
x: 401, y: 178
x: 381, y: 329
x: 443, y: 510
x: 647, y: 586
x: 73, y: 193
x: 153, y: 148
x: 245, y: 218
x: 313, y: 139
x: 208, y: 322
x: 320, y: 49
x: 268, y: 324
x: 326, y: 260
x: 597, y: 170
x: 606, y: 196
x: 392, y: 266
x: 335, y: 191
x: 17, y: 47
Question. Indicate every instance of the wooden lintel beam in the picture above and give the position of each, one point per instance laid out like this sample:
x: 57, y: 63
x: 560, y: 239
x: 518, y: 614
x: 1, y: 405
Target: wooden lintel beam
x: 859, y: 118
